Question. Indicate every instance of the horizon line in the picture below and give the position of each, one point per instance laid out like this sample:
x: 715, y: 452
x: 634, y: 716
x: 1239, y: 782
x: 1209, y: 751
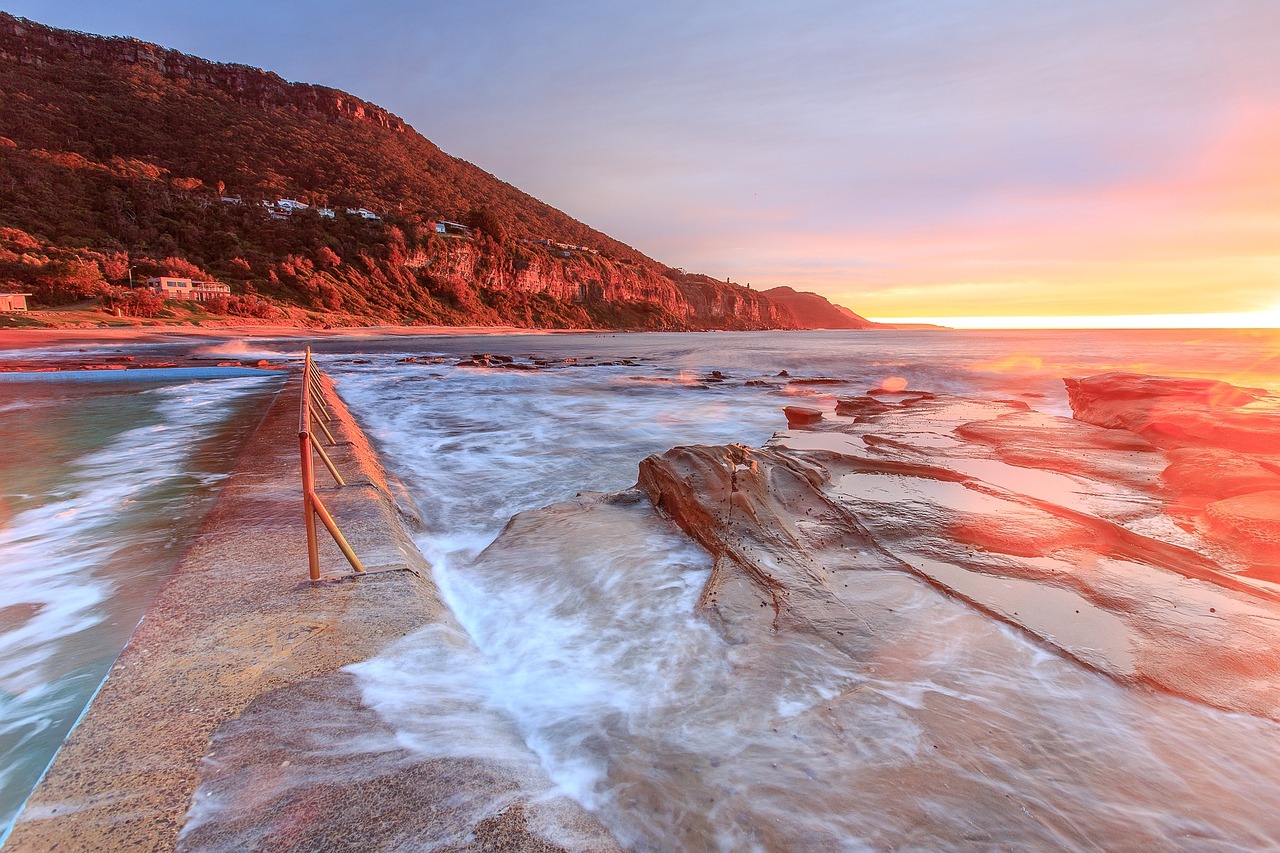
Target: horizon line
x: 1231, y: 320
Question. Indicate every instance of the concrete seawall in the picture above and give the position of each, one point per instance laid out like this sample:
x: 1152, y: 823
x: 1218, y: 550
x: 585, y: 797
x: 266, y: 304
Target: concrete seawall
x: 236, y: 620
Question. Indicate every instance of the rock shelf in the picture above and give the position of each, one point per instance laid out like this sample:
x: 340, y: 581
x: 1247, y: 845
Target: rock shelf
x: 1066, y: 529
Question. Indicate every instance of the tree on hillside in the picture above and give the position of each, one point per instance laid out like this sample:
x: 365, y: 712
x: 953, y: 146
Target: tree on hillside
x: 489, y: 223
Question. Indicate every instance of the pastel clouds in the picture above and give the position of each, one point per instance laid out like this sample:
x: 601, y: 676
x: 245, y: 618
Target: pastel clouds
x: 907, y: 157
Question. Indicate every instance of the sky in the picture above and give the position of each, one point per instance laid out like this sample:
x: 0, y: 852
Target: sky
x: 988, y: 162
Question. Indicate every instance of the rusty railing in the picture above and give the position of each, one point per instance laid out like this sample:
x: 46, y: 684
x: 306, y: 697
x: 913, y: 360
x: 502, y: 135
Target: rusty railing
x: 312, y: 411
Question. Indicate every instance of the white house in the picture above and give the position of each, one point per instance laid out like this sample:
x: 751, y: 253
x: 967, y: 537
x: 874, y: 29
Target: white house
x: 455, y: 229
x: 184, y: 288
x: 13, y: 302
x: 362, y: 213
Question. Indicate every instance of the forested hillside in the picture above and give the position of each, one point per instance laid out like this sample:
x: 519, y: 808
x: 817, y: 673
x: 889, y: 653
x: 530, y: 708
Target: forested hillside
x: 119, y: 156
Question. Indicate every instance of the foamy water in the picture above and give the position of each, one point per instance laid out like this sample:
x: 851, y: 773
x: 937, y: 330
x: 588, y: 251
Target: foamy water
x: 102, y: 486
x: 581, y: 650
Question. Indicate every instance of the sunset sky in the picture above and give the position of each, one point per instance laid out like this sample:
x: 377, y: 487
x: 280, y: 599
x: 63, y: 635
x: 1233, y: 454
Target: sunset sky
x: 907, y: 158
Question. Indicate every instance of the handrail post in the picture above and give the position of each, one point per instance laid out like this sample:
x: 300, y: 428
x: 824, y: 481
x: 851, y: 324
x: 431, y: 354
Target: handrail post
x: 308, y: 507
x: 333, y: 442
x: 312, y: 404
x: 341, y: 540
x: 317, y: 397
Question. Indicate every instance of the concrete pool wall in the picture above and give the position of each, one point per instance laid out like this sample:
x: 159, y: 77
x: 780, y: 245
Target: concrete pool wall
x: 237, y: 619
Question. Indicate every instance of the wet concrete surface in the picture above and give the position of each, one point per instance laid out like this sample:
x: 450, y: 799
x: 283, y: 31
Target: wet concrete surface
x: 237, y: 622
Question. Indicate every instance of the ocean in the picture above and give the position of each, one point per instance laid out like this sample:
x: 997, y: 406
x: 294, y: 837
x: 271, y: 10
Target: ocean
x: 582, y: 654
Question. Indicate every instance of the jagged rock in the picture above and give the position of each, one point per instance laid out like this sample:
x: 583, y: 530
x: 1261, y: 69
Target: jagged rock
x: 817, y: 380
x: 1175, y: 412
x: 854, y: 407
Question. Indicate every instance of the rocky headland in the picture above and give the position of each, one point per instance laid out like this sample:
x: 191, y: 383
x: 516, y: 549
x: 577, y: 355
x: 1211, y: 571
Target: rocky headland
x: 123, y: 160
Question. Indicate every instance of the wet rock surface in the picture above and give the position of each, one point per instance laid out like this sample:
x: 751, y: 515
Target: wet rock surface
x: 1064, y: 528
x: 933, y: 624
x: 1222, y: 446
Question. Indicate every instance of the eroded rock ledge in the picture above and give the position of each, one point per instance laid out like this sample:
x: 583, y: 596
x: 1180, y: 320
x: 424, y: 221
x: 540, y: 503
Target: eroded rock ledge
x: 1137, y: 538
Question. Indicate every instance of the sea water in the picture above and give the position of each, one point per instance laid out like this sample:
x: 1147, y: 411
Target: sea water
x: 580, y: 651
x: 101, y: 486
x: 585, y: 656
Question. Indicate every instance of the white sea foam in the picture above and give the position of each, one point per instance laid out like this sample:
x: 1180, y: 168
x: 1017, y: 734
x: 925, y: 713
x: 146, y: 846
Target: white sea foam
x: 580, y: 647
x: 243, y: 348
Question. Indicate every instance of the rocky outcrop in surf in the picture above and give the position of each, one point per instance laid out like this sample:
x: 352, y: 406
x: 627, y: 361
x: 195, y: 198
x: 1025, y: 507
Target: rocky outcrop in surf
x: 1064, y: 528
x: 1222, y: 443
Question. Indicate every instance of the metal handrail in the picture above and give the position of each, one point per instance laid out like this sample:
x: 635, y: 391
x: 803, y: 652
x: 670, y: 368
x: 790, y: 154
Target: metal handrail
x: 312, y: 405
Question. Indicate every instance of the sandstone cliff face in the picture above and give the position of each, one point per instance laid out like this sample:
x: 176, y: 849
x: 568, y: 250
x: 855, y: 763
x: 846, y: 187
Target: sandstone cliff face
x: 696, y: 302
x: 34, y: 44
x: 814, y: 312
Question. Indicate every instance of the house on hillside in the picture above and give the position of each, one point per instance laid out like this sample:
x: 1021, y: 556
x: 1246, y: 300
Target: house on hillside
x: 326, y: 212
x: 453, y: 229
x: 564, y: 250
x: 184, y: 288
x: 362, y: 213
x: 283, y: 208
x: 11, y: 302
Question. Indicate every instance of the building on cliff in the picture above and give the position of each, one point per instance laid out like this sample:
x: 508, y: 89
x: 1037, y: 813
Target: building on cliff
x: 185, y: 288
x: 453, y: 229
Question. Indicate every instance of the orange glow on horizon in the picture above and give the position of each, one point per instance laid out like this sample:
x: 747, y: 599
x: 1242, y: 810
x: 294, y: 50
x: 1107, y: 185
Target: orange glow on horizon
x: 1237, y: 320
x: 1195, y: 247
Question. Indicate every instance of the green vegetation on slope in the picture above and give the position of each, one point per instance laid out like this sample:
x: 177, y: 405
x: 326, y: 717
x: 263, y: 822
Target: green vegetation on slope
x: 119, y: 155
